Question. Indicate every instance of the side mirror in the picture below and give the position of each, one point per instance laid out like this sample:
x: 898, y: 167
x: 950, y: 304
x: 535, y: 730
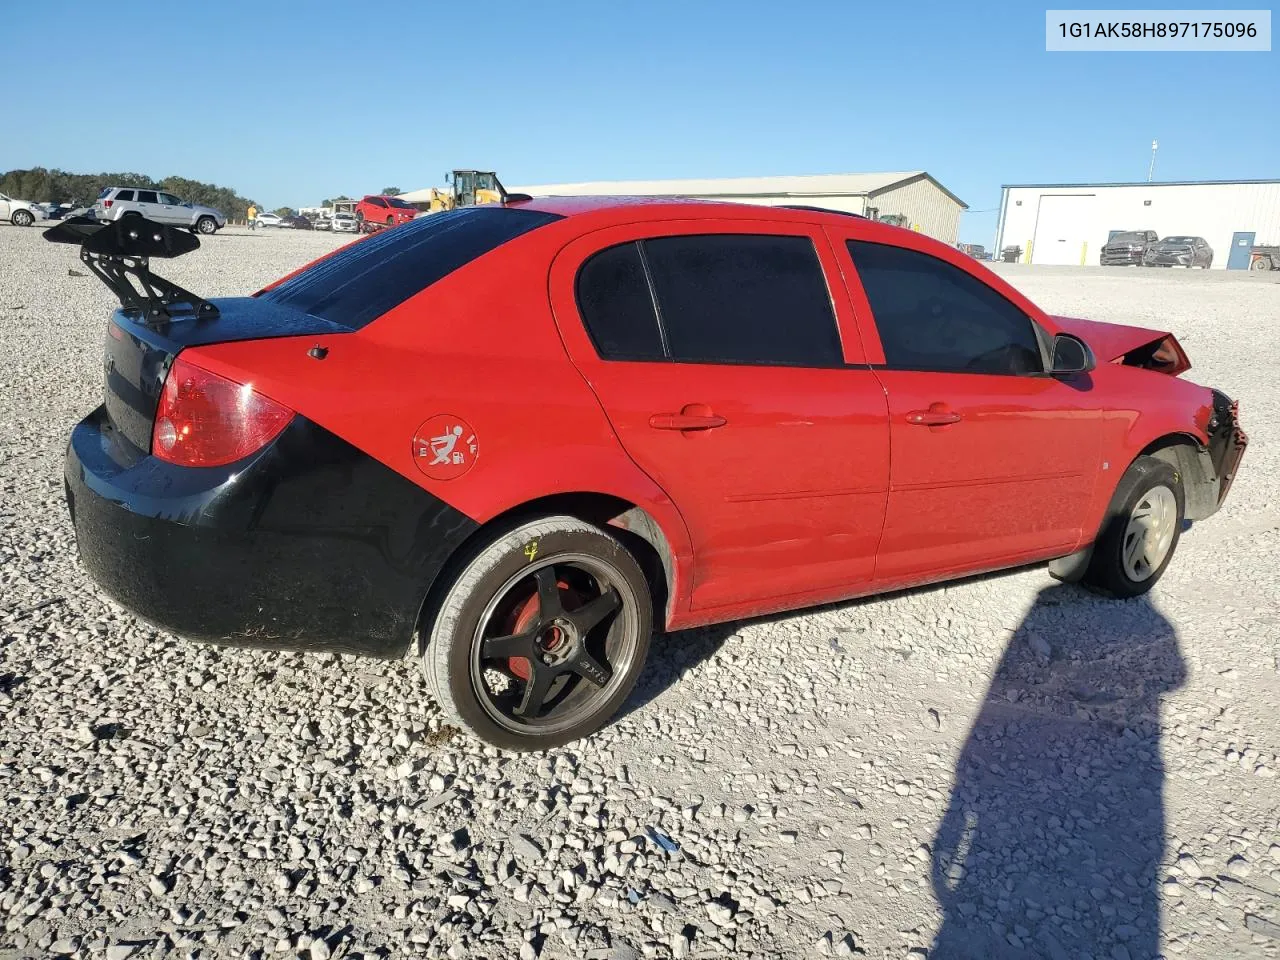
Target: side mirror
x: 1071, y: 355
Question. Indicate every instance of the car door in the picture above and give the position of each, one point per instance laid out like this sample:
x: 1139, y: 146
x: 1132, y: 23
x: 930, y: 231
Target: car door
x: 723, y: 362
x: 171, y: 210
x: 5, y: 207
x: 148, y: 205
x: 993, y: 460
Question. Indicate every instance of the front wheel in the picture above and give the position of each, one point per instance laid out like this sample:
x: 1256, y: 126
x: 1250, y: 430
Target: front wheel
x: 1141, y: 530
x: 542, y: 635
x: 206, y: 225
x: 23, y: 218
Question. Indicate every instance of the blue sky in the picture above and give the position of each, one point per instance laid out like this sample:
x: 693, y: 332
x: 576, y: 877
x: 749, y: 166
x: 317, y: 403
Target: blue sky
x: 290, y: 102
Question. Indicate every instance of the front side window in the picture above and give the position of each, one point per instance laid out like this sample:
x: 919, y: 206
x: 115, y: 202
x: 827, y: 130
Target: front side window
x: 170, y: 199
x: 931, y: 315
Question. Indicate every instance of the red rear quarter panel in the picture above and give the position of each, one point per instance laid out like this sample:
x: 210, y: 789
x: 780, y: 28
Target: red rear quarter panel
x: 480, y: 344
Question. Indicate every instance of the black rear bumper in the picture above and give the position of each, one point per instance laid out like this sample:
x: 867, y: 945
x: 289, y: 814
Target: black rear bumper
x: 307, y: 545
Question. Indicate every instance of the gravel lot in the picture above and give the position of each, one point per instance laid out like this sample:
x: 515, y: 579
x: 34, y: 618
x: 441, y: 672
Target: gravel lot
x: 998, y: 768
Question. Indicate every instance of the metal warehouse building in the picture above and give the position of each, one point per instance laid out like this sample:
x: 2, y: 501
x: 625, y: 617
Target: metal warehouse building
x: 1068, y: 223
x: 928, y: 206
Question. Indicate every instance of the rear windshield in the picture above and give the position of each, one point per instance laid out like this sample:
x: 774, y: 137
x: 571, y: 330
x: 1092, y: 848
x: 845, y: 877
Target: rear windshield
x: 363, y: 281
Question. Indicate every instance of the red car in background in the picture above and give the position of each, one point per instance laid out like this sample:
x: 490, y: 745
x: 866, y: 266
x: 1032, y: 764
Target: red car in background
x: 512, y: 440
x: 384, y: 210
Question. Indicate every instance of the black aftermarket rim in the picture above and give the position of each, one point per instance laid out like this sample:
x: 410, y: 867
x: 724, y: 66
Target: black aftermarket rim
x: 556, y: 641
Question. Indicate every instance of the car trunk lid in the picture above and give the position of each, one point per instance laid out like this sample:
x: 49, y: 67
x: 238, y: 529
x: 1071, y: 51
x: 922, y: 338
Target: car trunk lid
x: 139, y: 351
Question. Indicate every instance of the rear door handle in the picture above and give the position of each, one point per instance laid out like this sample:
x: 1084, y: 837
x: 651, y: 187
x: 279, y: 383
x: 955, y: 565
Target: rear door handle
x: 694, y: 416
x: 938, y: 415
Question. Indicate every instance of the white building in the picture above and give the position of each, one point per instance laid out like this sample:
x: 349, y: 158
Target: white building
x: 1068, y: 223
x: 927, y: 205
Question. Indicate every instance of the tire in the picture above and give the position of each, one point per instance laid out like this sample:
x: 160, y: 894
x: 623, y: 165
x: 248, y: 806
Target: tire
x: 207, y: 226
x: 1262, y: 263
x: 22, y: 218
x: 503, y: 590
x: 1150, y: 488
x: 391, y: 221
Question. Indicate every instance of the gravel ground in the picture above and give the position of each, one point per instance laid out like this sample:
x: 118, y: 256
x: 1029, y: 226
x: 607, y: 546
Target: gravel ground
x: 997, y: 768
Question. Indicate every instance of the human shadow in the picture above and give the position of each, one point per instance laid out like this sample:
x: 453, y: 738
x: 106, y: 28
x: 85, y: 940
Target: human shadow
x: 1053, y: 836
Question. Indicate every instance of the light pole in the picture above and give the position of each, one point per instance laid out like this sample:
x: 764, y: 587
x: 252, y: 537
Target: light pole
x: 1155, y: 145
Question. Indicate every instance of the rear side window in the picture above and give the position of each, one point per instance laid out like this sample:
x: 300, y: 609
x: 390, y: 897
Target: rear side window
x: 363, y: 281
x: 931, y: 315
x: 124, y: 195
x: 147, y: 196
x: 614, y: 299
x: 711, y: 298
x: 734, y: 298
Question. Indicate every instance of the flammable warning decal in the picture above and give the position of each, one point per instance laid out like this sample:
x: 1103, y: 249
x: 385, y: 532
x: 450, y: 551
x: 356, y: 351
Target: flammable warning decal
x: 445, y: 447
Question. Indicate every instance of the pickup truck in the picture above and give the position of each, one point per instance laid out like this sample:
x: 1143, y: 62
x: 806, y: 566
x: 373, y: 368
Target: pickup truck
x: 1126, y: 248
x: 1264, y: 258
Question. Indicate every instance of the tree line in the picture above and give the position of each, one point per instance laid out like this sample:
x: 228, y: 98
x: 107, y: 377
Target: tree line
x: 41, y: 185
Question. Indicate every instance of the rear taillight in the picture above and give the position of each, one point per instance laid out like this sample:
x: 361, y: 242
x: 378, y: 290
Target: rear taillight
x: 107, y: 203
x: 205, y: 420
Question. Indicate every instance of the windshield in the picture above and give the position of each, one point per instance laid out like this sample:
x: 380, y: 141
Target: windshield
x: 1179, y: 239
x: 343, y: 216
x: 1131, y: 236
x: 399, y: 203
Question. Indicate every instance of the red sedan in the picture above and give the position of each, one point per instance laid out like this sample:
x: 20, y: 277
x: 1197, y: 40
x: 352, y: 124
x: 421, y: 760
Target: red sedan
x: 511, y: 441
x: 384, y: 211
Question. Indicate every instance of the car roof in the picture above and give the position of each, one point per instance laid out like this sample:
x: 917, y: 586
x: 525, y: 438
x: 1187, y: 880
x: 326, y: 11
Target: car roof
x: 667, y: 207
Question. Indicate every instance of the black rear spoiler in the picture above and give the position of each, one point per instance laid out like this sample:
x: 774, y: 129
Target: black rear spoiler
x: 119, y: 253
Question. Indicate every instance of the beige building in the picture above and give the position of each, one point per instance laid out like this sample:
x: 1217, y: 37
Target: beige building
x: 927, y: 205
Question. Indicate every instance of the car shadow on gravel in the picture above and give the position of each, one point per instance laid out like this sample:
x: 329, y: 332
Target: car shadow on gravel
x: 1052, y: 840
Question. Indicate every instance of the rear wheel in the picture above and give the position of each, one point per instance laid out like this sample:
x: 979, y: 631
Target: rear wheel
x: 22, y: 218
x: 1261, y: 263
x: 542, y: 635
x: 1141, y: 531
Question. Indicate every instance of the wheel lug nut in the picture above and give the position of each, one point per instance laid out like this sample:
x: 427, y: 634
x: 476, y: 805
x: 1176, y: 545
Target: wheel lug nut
x: 548, y: 658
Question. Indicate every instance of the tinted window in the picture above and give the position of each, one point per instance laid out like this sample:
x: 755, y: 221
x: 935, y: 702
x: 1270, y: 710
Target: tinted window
x: 734, y: 298
x: 147, y: 196
x: 932, y: 315
x: 364, y: 280
x: 613, y: 297
x: 375, y: 201
x: 404, y: 205
x: 124, y: 195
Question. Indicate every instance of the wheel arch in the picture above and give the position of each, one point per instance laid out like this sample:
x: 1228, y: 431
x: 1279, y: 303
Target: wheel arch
x: 1190, y: 458
x: 632, y: 523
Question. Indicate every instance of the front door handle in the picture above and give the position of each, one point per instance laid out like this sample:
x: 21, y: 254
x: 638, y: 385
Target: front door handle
x: 938, y: 415
x: 693, y: 416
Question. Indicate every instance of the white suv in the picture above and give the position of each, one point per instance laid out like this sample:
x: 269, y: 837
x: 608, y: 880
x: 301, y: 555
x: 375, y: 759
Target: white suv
x: 115, y: 203
x: 21, y: 213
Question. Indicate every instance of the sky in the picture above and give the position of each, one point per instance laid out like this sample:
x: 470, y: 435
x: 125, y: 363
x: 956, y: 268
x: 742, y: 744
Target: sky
x: 293, y: 102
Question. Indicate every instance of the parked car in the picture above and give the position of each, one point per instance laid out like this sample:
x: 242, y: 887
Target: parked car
x: 269, y: 219
x: 1179, y: 251
x: 351, y: 461
x: 1126, y: 248
x: 322, y: 223
x: 116, y: 203
x: 345, y: 223
x: 21, y: 213
x: 296, y: 222
x: 388, y: 211
x: 56, y: 211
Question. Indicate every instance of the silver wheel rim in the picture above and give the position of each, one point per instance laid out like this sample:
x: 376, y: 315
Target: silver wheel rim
x: 22, y: 218
x: 1149, y: 533
x: 205, y: 226
x: 613, y: 643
